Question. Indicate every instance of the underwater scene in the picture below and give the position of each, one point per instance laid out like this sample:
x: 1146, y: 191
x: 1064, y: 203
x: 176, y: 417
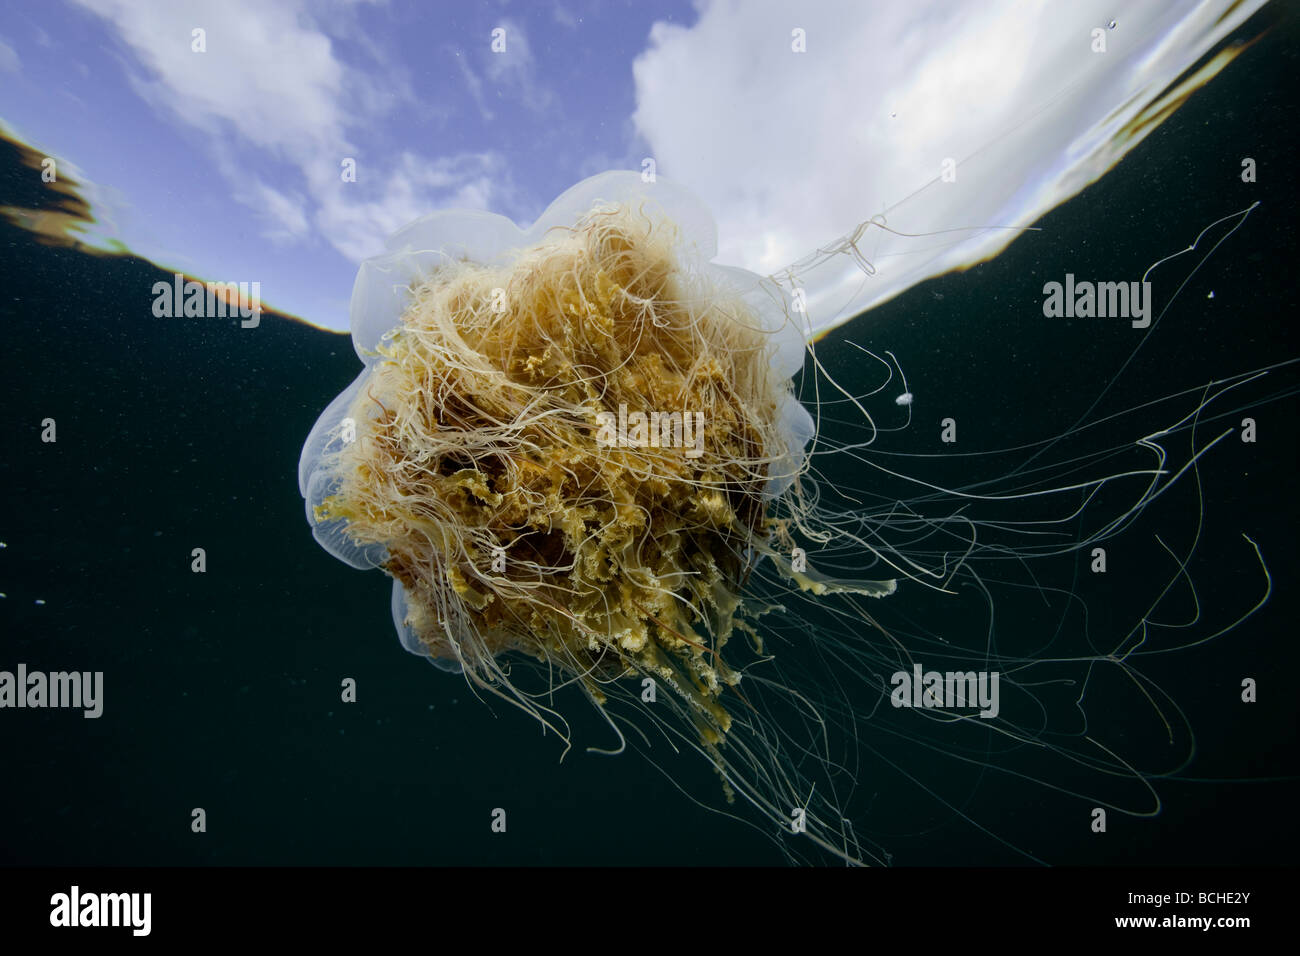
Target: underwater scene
x: 648, y: 434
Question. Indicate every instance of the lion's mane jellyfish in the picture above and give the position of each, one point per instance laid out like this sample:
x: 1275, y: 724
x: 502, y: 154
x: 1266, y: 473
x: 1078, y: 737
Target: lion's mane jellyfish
x: 565, y: 442
x: 578, y: 452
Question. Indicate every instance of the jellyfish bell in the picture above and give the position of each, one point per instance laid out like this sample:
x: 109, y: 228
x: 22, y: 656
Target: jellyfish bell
x: 564, y: 441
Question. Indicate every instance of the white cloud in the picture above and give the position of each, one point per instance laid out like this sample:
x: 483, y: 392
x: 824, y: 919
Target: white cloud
x: 359, y: 228
x: 273, y: 81
x: 561, y: 15
x: 514, y: 70
x: 270, y: 80
x: 794, y: 150
x: 9, y: 62
x: 285, y: 215
x: 473, y: 84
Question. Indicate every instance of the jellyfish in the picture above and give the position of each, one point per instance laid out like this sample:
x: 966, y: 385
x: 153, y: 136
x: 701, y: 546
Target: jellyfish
x: 579, y: 453
x: 564, y: 444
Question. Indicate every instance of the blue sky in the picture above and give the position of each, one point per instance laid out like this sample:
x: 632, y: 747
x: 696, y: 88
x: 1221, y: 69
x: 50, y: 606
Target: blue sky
x: 237, y: 171
x: 226, y: 163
